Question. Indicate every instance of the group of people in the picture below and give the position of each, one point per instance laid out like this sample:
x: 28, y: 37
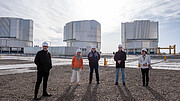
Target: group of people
x: 44, y: 64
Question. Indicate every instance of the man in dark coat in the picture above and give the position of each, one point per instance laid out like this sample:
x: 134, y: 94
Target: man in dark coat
x: 44, y: 64
x: 93, y: 58
x: 120, y: 58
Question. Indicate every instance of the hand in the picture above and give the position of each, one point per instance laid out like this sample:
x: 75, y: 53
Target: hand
x: 145, y: 64
x: 119, y: 61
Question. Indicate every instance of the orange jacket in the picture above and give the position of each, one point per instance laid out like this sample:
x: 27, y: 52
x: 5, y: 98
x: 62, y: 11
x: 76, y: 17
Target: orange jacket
x: 76, y: 63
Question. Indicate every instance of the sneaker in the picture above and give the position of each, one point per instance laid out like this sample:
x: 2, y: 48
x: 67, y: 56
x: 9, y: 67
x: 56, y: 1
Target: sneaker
x: 35, y: 98
x: 98, y: 83
x: 48, y: 95
x: 90, y: 82
x: 116, y: 83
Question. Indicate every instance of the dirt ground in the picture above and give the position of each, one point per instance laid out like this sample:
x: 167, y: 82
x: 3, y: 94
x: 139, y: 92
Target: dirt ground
x: 164, y: 85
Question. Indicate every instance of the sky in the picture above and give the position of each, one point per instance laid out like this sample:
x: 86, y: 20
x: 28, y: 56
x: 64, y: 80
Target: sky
x: 50, y: 16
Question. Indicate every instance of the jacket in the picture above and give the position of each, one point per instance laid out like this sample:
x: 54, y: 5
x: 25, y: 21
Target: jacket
x: 120, y: 55
x: 147, y: 61
x: 43, y: 61
x: 93, y: 58
x: 77, y: 63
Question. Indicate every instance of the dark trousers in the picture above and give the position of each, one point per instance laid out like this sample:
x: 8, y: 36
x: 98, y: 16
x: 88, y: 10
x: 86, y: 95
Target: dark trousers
x: 91, y: 73
x: 145, y: 76
x: 40, y: 76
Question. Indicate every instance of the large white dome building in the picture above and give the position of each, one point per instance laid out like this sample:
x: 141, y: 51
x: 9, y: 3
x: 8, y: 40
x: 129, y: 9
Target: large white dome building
x: 140, y: 34
x: 83, y: 34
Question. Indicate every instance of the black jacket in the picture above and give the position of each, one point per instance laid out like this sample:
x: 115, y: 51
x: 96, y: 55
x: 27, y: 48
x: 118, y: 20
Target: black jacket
x: 120, y: 55
x: 43, y: 61
x: 93, y: 58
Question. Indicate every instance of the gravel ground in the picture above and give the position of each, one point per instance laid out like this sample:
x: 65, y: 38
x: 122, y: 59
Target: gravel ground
x: 164, y: 85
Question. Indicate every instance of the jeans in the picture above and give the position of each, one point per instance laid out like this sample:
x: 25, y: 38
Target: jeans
x: 117, y: 74
x: 76, y: 73
x: 91, y: 73
x: 40, y: 76
x: 145, y: 75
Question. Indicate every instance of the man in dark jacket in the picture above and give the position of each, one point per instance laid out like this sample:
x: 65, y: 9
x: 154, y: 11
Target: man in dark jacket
x: 44, y: 64
x: 93, y: 58
x: 120, y: 58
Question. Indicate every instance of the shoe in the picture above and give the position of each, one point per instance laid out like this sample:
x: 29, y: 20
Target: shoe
x: 124, y: 84
x: 35, y: 98
x: 116, y: 83
x: 98, y: 83
x: 90, y: 82
x: 147, y: 84
x: 48, y: 95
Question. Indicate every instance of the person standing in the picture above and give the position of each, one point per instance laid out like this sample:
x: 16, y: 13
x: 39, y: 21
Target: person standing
x: 120, y: 58
x: 44, y: 64
x: 77, y: 66
x: 145, y: 62
x: 93, y: 58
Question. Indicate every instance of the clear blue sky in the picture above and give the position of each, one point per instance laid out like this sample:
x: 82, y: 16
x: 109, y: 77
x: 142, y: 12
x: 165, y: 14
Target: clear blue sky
x: 50, y: 16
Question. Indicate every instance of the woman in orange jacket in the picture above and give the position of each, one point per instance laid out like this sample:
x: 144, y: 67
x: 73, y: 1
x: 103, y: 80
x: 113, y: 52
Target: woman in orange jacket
x: 77, y: 66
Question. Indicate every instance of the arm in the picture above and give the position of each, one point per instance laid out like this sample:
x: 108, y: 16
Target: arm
x: 115, y: 57
x: 37, y: 60
x: 73, y: 62
x: 140, y: 61
x: 99, y: 57
x: 82, y: 63
x: 149, y: 61
x: 88, y: 56
x: 50, y: 60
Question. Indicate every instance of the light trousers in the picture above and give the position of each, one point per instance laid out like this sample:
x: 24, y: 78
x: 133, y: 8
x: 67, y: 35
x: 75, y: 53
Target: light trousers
x: 75, y: 73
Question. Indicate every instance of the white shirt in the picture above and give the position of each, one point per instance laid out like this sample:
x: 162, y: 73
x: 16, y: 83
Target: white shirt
x: 147, y: 61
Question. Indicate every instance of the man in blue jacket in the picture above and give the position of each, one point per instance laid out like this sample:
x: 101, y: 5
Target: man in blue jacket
x: 93, y: 58
x: 44, y: 64
x: 120, y: 58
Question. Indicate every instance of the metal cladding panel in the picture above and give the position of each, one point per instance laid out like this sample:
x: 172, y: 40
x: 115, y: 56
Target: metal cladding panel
x: 4, y: 27
x: 4, y: 43
x: 142, y: 29
x: 30, y: 30
x: 14, y: 28
x: 21, y: 30
x: 141, y: 32
x: 26, y: 30
x: 68, y: 31
x: 15, y: 43
x: 57, y: 50
x: 70, y: 50
x: 137, y: 44
x: 31, y: 50
x: 65, y: 37
x: 83, y: 31
x: 130, y: 45
x: 145, y: 44
x: 129, y: 29
x: 154, y: 30
x: 153, y: 44
x: 26, y: 25
x: 123, y: 37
